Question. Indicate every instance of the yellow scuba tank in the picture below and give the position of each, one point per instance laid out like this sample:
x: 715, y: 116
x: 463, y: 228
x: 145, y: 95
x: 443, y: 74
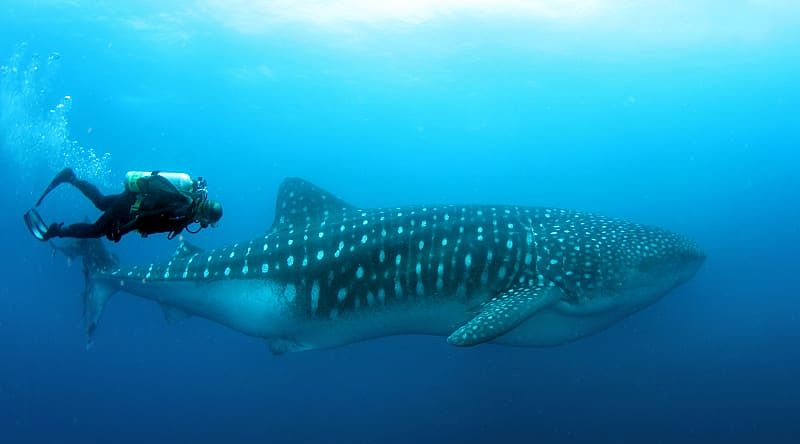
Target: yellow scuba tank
x: 182, y: 181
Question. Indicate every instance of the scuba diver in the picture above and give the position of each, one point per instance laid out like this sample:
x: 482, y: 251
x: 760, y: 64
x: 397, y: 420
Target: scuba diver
x: 152, y: 202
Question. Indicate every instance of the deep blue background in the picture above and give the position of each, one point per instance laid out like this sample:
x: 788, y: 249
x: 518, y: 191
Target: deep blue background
x: 698, y: 137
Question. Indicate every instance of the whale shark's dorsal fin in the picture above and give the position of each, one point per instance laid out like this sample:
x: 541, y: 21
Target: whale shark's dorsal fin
x: 300, y: 202
x: 186, y: 249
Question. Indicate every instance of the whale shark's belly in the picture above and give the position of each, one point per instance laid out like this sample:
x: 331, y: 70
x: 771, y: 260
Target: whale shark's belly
x: 559, y: 324
x: 264, y: 309
x: 548, y: 328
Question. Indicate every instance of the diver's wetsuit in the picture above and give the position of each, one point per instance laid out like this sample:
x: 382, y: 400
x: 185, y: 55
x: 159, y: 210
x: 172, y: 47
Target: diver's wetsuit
x: 162, y: 209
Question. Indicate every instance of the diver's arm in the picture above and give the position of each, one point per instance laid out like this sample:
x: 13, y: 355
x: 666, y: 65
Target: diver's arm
x: 176, y: 208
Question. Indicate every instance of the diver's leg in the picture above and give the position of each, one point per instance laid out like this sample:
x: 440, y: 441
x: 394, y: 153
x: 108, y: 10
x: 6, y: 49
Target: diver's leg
x: 64, y: 176
x: 101, y: 202
x: 100, y: 228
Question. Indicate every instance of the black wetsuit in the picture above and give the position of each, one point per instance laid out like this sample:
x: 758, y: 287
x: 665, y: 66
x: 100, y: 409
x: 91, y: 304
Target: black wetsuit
x: 162, y: 208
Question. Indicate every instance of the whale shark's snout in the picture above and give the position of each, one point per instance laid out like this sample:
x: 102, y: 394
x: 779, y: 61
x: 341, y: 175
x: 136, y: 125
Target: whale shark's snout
x: 661, y: 260
x: 656, y: 264
x: 678, y: 256
x: 693, y: 257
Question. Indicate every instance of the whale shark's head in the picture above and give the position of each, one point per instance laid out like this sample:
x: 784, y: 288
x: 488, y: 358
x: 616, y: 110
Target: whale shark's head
x: 690, y: 260
x: 658, y: 267
x: 679, y: 257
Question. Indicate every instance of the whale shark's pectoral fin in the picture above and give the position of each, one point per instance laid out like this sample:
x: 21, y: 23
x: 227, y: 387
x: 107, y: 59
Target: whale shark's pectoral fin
x: 503, y: 313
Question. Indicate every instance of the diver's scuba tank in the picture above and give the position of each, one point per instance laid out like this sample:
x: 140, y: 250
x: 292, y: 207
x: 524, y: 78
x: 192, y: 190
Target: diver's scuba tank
x: 182, y: 181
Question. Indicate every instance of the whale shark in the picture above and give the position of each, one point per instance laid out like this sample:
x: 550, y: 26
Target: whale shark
x: 328, y: 273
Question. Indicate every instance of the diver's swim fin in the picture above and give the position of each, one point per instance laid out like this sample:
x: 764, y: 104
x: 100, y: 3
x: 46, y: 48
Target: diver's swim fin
x: 35, y: 224
x: 64, y: 176
x: 37, y: 227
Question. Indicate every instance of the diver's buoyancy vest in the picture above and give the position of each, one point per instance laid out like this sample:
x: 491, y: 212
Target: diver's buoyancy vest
x: 182, y: 181
x: 138, y: 182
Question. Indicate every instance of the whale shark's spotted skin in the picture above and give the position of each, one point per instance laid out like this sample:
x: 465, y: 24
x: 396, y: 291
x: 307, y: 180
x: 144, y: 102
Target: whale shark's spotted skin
x: 329, y: 260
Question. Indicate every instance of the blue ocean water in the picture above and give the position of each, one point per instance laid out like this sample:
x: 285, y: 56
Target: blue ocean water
x: 681, y: 115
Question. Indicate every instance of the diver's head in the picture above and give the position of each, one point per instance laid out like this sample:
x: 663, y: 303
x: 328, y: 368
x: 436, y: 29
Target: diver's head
x: 209, y: 212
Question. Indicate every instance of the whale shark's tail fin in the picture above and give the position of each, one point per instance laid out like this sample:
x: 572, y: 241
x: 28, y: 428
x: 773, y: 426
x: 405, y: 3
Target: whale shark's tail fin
x: 96, y: 293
